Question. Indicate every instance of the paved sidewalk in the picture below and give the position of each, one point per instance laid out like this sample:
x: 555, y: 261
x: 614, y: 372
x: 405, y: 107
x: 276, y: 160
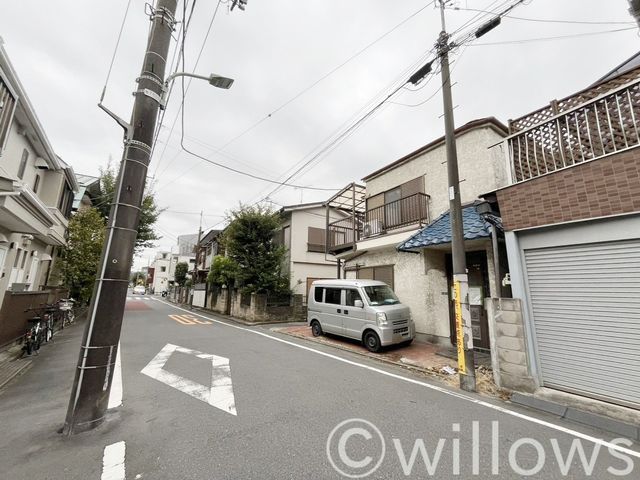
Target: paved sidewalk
x: 426, y: 358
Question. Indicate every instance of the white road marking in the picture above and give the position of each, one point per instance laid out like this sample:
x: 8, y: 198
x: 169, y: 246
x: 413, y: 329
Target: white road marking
x: 219, y: 394
x: 115, y: 394
x: 113, y: 462
x: 452, y: 393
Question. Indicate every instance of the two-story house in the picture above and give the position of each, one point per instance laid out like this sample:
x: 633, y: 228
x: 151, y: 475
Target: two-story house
x: 303, y: 234
x: 571, y: 214
x: 399, y: 231
x: 207, y: 248
x: 36, y: 190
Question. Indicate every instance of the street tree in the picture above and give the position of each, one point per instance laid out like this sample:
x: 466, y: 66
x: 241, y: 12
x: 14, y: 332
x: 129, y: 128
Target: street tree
x: 180, y: 274
x: 78, y: 262
x: 149, y: 212
x: 250, y: 243
x: 223, y: 271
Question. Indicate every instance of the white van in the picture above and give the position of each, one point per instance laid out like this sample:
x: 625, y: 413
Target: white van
x: 366, y: 310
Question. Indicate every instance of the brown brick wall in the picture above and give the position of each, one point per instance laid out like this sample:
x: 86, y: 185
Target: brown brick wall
x: 603, y: 187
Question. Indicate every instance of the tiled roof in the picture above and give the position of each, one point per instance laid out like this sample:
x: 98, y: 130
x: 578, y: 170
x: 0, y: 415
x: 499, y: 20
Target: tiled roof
x: 439, y: 231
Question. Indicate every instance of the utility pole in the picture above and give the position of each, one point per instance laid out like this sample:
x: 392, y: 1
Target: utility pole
x: 92, y: 383
x: 634, y: 10
x: 464, y: 334
x: 195, y: 268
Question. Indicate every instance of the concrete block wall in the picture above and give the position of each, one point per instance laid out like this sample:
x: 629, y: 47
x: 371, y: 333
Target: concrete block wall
x: 509, y: 359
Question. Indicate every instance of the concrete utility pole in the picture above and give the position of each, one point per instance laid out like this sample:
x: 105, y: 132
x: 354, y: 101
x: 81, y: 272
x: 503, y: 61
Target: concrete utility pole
x: 634, y: 10
x: 92, y: 384
x: 464, y: 334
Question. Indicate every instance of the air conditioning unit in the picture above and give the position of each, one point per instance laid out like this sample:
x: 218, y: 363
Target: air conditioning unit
x: 373, y: 227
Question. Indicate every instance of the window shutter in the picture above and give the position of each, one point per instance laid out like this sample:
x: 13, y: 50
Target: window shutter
x: 315, y: 239
x: 384, y: 274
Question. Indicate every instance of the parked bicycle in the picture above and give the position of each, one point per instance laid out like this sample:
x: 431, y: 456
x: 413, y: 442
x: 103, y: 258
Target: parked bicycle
x: 40, y: 330
x: 65, y: 307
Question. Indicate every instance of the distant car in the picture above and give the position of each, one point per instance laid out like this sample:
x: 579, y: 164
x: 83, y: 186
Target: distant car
x: 139, y: 289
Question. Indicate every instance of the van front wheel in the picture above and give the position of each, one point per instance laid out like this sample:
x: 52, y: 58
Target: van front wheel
x: 372, y: 342
x: 316, y: 329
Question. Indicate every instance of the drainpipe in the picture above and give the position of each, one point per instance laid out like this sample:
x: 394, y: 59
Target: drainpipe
x: 496, y: 259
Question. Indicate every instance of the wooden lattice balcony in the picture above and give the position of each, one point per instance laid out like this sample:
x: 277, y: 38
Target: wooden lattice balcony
x: 606, y: 122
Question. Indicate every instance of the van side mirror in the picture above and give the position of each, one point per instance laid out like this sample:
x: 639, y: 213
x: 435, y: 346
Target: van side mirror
x: 358, y: 304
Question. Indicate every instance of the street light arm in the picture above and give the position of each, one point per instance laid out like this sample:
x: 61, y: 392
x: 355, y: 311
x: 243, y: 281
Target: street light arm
x: 213, y: 79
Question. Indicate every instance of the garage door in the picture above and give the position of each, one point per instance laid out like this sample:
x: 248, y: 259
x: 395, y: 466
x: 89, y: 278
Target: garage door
x: 585, y: 302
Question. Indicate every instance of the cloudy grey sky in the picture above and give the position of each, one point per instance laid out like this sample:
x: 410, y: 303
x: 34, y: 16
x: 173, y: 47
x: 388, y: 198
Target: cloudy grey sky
x: 276, y: 49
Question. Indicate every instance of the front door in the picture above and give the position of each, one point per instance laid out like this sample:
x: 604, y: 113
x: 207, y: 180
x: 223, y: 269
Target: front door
x: 478, y: 290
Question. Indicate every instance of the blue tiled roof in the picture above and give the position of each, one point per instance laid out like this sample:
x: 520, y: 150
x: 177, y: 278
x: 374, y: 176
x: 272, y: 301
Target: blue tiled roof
x: 439, y: 231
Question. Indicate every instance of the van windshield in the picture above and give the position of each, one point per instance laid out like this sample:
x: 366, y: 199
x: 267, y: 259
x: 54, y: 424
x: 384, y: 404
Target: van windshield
x: 381, y: 295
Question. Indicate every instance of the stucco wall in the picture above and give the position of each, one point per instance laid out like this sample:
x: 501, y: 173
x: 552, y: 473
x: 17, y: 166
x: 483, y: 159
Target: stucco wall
x: 424, y: 294
x: 481, y: 169
x: 304, y: 264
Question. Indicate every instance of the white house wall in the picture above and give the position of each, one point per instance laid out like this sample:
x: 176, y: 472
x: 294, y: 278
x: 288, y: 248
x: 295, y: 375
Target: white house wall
x: 302, y: 263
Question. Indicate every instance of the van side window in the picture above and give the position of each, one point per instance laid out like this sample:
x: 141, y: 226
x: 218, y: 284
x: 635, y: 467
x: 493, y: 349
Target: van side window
x: 332, y: 295
x: 351, y: 296
x: 317, y: 294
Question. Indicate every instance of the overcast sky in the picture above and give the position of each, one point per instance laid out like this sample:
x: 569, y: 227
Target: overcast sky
x: 276, y: 49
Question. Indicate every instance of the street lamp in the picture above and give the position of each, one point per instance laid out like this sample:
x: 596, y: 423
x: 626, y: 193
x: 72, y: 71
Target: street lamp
x: 213, y: 79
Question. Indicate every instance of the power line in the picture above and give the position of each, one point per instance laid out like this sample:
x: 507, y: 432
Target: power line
x: 175, y: 120
x: 559, y: 37
x: 115, y: 50
x: 326, y: 75
x: 464, y: 39
x: 312, y: 85
x: 541, y: 20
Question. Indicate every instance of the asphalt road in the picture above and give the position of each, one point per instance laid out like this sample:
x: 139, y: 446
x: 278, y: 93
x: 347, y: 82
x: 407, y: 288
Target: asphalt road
x: 268, y: 412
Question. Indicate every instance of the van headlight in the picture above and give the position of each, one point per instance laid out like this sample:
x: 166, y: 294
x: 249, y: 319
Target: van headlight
x: 381, y: 318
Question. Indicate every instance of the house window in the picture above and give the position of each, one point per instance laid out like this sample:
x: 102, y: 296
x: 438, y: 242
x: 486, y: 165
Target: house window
x: 395, y: 208
x: 66, y: 201
x: 16, y: 261
x: 382, y: 273
x: 23, y: 163
x: 36, y: 184
x: 7, y: 107
x: 163, y: 269
x: 316, y: 239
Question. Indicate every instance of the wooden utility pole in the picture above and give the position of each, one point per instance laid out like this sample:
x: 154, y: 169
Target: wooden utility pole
x: 464, y: 334
x: 92, y: 383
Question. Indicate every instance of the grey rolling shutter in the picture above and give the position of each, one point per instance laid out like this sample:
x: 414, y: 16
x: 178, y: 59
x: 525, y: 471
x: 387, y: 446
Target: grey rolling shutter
x: 585, y: 302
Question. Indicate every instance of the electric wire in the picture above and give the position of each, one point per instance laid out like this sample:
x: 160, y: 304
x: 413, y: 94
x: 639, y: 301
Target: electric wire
x: 311, y: 86
x: 558, y: 37
x: 115, y: 50
x: 204, y: 42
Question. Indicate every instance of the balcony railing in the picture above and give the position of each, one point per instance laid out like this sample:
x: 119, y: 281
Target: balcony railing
x: 411, y: 210
x: 397, y: 214
x: 602, y: 126
x: 344, y: 233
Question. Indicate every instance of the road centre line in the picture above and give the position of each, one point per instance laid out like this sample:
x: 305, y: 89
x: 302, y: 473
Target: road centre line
x: 461, y: 396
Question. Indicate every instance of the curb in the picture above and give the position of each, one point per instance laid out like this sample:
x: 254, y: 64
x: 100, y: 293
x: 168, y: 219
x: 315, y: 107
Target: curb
x: 11, y: 369
x: 408, y: 366
x: 618, y: 427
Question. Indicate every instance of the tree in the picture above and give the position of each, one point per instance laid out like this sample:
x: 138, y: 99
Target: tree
x: 78, y: 262
x: 223, y: 271
x: 180, y: 274
x: 249, y: 241
x: 137, y: 277
x: 148, y: 215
